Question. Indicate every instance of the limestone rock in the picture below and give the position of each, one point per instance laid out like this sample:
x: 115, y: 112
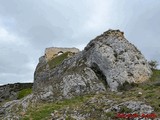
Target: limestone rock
x: 117, y: 59
x: 108, y: 60
x: 13, y: 110
x: 101, y: 108
x: 134, y: 106
x: 10, y: 91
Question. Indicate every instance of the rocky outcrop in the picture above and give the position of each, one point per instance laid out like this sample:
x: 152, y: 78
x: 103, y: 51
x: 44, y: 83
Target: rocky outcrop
x: 13, y: 110
x: 102, y: 108
x: 98, y: 106
x: 10, y: 91
x: 109, y: 60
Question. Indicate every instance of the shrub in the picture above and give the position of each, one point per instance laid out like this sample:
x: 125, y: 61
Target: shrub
x: 126, y: 86
x: 153, y: 64
x: 155, y: 76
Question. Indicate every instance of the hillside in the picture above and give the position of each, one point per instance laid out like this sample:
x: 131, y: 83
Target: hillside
x: 140, y: 98
x: 13, y: 91
x: 107, y: 62
x: 108, y: 77
x: 137, y: 98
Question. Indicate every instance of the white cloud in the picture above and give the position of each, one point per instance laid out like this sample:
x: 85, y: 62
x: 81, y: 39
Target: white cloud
x: 100, y: 15
x: 5, y: 36
x: 10, y: 38
x: 16, y: 64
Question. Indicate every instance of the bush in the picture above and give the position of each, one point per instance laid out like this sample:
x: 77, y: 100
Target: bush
x: 24, y: 93
x: 153, y: 64
x: 155, y: 76
x: 126, y: 86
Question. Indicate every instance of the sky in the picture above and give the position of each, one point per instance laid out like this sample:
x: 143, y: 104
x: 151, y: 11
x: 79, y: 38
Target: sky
x: 27, y: 27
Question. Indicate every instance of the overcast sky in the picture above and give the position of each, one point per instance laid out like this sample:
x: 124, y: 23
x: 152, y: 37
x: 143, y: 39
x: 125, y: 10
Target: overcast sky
x: 27, y: 27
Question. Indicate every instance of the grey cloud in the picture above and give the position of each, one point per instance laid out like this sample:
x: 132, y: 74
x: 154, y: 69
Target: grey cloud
x: 46, y: 23
x: 68, y: 23
x: 31, y: 21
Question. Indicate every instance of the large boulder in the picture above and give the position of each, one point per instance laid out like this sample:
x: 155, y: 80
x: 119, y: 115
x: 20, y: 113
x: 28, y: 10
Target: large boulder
x: 108, y: 61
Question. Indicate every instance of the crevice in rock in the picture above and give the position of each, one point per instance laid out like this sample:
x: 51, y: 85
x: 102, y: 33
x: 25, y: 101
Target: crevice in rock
x: 99, y: 74
x: 143, y: 63
x: 130, y: 74
x: 121, y: 52
x: 138, y: 57
x: 109, y: 45
x: 116, y: 56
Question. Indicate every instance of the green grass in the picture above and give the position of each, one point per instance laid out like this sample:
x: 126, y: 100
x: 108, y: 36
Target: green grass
x: 124, y: 109
x: 44, y: 110
x: 153, y: 82
x: 58, y: 60
x: 150, y: 95
x: 111, y: 114
x: 155, y: 75
x: 24, y: 93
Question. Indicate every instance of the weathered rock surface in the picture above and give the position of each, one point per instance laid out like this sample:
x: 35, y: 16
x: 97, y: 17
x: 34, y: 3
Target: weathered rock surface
x: 106, y: 63
x: 9, y: 91
x: 97, y: 107
x: 14, y: 110
x: 102, y: 108
x: 108, y: 60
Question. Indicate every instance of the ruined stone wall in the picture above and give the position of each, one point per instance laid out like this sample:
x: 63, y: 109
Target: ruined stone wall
x: 54, y: 51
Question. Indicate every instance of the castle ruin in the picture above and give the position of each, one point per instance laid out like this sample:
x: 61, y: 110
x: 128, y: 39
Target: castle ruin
x: 56, y: 51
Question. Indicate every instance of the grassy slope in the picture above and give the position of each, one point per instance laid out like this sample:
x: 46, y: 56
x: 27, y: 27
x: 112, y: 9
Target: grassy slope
x: 55, y: 61
x: 43, y: 111
x: 150, y: 95
x: 58, y: 60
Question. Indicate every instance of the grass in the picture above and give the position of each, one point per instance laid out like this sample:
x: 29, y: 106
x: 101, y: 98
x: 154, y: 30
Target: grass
x: 124, y: 109
x: 150, y: 95
x: 111, y: 114
x: 149, y: 89
x: 43, y: 111
x: 155, y: 75
x: 24, y: 93
x: 58, y: 60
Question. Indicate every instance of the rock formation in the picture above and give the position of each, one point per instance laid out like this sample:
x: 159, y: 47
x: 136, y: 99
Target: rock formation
x: 10, y: 91
x: 107, y: 61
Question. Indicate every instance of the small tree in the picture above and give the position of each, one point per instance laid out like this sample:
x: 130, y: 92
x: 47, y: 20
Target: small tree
x: 153, y: 64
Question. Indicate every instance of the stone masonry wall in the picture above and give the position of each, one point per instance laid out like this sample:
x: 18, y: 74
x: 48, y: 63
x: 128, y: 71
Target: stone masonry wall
x: 54, y: 51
